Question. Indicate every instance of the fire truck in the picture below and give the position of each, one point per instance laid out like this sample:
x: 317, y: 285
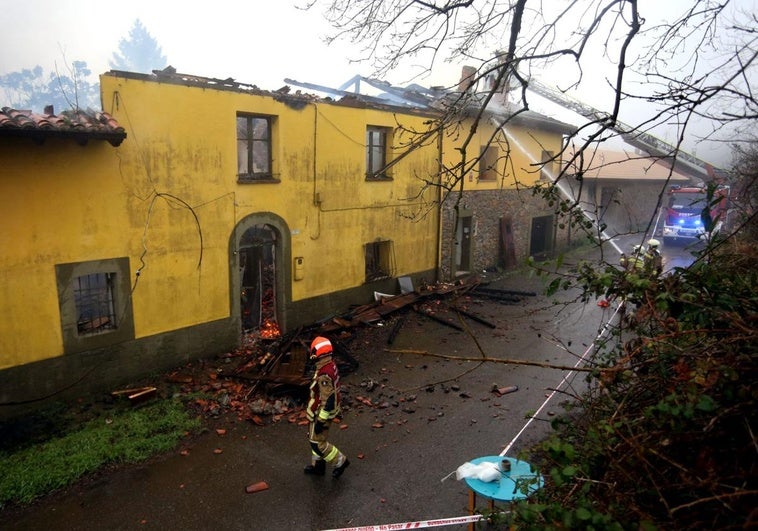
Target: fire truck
x: 691, y: 214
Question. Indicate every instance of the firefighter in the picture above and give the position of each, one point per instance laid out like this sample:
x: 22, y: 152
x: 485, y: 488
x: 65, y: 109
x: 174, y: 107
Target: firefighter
x: 323, y: 406
x: 634, y: 262
x: 653, y: 260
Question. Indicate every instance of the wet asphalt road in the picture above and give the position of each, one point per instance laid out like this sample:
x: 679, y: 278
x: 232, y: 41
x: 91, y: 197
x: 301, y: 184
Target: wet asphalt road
x: 396, y: 470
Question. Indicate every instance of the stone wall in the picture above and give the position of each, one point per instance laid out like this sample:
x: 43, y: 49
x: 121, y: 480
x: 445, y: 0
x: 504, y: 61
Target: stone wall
x: 486, y: 208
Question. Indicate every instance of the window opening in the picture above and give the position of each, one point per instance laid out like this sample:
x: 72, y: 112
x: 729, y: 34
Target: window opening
x: 488, y: 163
x: 376, y: 152
x: 546, y: 171
x: 254, y: 147
x: 95, y: 303
x: 379, y: 260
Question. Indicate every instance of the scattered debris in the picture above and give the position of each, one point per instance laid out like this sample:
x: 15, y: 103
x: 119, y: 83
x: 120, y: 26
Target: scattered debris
x: 505, y: 296
x: 136, y: 395
x: 500, y: 391
x: 256, y: 487
x: 264, y: 380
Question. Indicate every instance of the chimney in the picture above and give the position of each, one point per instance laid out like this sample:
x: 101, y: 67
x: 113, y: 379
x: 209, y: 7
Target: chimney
x: 49, y: 110
x: 468, y: 79
x: 501, y: 94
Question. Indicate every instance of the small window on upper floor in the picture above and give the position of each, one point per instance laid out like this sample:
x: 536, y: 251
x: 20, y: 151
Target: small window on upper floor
x: 377, y: 149
x: 546, y: 171
x: 488, y: 159
x: 254, y: 138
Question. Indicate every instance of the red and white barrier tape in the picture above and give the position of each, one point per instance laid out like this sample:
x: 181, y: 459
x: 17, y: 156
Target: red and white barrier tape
x: 414, y: 525
x: 565, y: 379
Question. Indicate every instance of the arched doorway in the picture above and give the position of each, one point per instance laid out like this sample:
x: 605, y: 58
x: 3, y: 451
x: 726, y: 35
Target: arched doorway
x: 257, y: 264
x: 260, y: 274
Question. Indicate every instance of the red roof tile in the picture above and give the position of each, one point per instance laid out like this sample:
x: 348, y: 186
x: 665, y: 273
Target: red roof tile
x: 82, y: 126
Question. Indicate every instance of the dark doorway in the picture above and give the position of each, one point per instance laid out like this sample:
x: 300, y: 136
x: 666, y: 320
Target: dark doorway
x: 257, y: 257
x: 463, y: 241
x: 507, y: 245
x: 541, y: 241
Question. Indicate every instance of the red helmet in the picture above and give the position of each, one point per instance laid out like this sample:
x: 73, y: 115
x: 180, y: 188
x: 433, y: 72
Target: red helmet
x: 320, y: 346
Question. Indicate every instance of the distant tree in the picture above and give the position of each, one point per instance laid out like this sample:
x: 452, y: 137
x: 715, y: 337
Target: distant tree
x: 139, y: 52
x: 744, y: 181
x: 34, y: 89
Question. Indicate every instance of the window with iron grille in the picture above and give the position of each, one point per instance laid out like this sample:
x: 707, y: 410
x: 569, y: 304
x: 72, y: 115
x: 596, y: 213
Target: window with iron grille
x: 254, y: 148
x: 376, y: 152
x: 95, y: 303
x: 379, y: 260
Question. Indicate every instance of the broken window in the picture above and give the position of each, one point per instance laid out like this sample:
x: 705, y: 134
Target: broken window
x: 379, y: 260
x: 376, y: 152
x: 254, y: 148
x: 95, y: 303
x: 488, y: 163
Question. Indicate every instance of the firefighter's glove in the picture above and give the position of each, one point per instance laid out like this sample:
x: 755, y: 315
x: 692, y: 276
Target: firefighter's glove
x: 319, y: 427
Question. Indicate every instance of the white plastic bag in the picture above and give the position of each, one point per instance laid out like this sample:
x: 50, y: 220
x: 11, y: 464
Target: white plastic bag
x: 485, y: 471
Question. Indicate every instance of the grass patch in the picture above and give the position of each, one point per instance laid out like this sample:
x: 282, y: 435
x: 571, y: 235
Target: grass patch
x: 123, y: 436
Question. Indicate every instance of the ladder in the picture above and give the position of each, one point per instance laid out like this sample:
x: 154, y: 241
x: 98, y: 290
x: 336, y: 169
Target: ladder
x: 631, y: 135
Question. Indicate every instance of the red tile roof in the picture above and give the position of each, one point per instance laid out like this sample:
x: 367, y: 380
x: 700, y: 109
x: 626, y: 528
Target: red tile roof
x: 81, y: 126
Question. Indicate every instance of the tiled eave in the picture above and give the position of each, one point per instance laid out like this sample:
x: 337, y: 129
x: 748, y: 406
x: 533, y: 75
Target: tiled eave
x: 79, y: 126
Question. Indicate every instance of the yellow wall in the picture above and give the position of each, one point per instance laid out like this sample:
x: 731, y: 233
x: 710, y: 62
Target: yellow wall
x: 60, y: 203
x: 519, y: 154
x: 194, y: 128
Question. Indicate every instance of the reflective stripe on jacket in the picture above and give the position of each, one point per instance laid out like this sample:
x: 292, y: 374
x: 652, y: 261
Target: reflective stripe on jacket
x: 324, y: 401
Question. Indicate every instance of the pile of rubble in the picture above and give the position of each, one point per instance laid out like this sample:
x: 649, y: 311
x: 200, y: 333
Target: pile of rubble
x: 265, y: 380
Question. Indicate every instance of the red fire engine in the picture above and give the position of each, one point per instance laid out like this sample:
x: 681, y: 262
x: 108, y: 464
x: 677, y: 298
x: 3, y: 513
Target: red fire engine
x: 691, y: 215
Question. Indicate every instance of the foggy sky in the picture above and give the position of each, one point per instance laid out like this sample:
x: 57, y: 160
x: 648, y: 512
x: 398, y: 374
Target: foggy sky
x: 259, y: 42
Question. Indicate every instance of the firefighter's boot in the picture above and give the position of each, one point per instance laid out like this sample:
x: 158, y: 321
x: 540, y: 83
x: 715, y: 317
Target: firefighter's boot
x: 342, y: 463
x: 316, y: 468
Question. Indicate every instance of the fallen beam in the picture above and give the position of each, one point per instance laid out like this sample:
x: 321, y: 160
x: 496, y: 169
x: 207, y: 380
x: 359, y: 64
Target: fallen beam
x: 439, y: 320
x: 475, y: 317
x: 497, y: 291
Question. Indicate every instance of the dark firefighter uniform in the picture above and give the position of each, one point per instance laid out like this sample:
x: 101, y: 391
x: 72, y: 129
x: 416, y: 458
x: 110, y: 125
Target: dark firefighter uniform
x: 323, y: 406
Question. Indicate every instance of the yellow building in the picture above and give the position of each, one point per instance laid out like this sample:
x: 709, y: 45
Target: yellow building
x: 193, y: 209
x: 224, y: 207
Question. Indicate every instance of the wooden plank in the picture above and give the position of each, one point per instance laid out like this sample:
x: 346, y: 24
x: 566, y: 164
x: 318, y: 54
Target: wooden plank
x: 474, y: 317
x: 439, y: 320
